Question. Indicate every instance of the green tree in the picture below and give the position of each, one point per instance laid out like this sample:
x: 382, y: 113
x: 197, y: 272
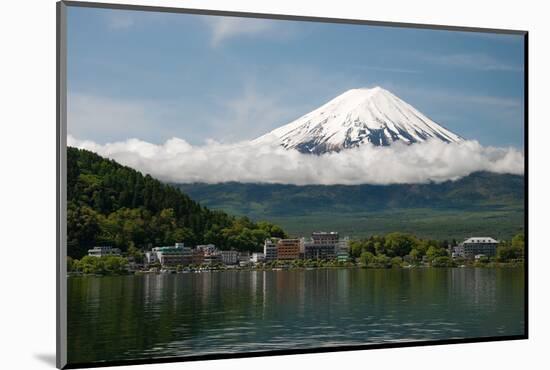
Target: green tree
x: 183, y: 235
x: 272, y: 229
x: 506, y: 253
x: 379, y: 247
x: 135, y: 253
x: 414, y: 255
x: 356, y: 248
x: 382, y: 261
x: 399, y: 244
x: 511, y: 250
x: 482, y: 261
x: 396, y: 261
x: 114, y: 264
x: 70, y: 264
x: 367, y: 258
x: 106, y: 265
x: 91, y: 265
x: 434, y: 252
x: 443, y: 261
x: 83, y: 229
x: 518, y: 241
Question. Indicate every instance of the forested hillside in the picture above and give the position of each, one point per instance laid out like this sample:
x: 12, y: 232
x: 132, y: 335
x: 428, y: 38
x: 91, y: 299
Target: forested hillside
x: 478, y: 190
x: 479, y: 204
x: 110, y: 204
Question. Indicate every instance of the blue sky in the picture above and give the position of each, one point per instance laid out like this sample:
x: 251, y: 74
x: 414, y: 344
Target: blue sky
x: 155, y: 76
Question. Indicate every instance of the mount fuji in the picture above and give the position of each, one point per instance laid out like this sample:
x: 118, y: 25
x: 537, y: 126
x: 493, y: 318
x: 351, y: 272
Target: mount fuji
x: 361, y: 116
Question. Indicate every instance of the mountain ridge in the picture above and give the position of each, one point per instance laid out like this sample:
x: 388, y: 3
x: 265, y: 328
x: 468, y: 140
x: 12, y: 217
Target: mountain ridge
x: 481, y: 203
x: 470, y: 191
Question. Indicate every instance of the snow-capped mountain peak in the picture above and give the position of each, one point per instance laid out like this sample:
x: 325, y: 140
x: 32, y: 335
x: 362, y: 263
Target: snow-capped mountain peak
x: 358, y: 116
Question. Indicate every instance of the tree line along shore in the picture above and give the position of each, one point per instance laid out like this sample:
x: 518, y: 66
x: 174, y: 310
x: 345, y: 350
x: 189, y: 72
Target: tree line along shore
x: 394, y: 250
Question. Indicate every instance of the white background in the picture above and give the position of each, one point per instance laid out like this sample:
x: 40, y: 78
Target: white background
x: 27, y: 193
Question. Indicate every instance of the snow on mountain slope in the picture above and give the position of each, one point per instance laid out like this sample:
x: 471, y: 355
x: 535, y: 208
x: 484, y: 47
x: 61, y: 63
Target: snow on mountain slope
x: 357, y: 117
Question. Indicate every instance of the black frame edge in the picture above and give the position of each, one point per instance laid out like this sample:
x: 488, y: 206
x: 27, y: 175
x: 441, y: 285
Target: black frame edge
x: 526, y: 178
x: 61, y: 142
x: 288, y: 17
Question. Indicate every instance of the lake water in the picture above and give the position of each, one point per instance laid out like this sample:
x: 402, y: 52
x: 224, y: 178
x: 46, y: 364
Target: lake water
x: 139, y: 317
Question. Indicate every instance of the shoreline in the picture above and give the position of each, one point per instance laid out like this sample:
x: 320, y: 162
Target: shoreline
x: 496, y: 265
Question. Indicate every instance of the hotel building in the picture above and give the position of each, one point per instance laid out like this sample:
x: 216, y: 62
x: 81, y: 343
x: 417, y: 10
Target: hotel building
x: 288, y: 249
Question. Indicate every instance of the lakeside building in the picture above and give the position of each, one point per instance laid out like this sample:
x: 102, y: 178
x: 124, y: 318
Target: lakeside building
x: 342, y: 251
x: 150, y: 257
x: 323, y: 245
x: 211, y: 255
x: 473, y: 246
x: 102, y: 251
x: 314, y: 251
x: 257, y: 257
x: 212, y: 258
x: 170, y: 255
x: 230, y: 257
x: 270, y: 250
x: 302, y: 248
x: 207, y: 248
x: 326, y: 238
x: 244, y: 258
x: 288, y: 249
x: 197, y: 257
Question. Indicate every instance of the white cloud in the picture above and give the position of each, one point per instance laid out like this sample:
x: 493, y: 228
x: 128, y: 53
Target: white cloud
x: 178, y: 161
x: 119, y: 21
x: 224, y: 28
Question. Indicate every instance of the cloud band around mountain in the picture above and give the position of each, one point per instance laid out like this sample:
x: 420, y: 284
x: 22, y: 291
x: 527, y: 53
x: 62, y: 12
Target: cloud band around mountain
x: 178, y: 161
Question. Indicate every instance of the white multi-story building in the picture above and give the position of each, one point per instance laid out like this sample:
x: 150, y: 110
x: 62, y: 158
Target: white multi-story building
x: 244, y: 258
x: 323, y: 245
x: 211, y: 254
x: 150, y: 257
x: 170, y: 256
x: 212, y: 258
x: 207, y: 248
x: 257, y: 257
x: 471, y: 247
x: 103, y: 251
x: 270, y: 250
x: 229, y: 257
x: 342, y: 251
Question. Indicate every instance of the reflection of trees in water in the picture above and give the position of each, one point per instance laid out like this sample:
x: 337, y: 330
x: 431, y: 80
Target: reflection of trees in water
x: 494, y: 297
x: 474, y: 288
x: 163, y: 315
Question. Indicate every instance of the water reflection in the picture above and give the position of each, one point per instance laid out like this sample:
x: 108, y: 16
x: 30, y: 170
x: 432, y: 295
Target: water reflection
x: 113, y: 318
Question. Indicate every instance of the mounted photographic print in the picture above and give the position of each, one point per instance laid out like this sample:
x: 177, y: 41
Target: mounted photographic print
x: 235, y: 184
